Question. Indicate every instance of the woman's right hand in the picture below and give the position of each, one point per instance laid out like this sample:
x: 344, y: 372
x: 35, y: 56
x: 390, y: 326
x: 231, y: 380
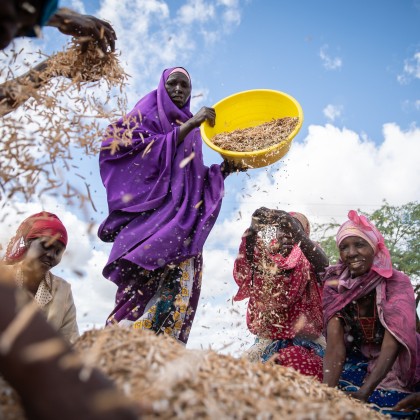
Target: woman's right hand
x: 410, y: 403
x: 204, y: 114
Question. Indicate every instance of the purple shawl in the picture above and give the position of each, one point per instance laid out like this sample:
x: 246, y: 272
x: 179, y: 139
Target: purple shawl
x: 160, y: 210
x: 396, y: 310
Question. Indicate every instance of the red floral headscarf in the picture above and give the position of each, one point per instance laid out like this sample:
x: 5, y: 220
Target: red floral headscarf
x: 35, y: 226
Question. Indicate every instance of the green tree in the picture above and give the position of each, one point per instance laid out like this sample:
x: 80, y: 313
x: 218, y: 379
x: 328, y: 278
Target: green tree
x: 400, y: 226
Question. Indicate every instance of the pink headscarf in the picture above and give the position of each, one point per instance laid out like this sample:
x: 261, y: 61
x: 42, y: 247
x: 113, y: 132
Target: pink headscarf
x: 361, y: 226
x: 179, y: 70
x: 35, y: 226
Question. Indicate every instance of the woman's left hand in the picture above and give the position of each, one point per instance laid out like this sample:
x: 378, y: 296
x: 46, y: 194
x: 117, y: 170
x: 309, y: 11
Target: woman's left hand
x: 359, y: 395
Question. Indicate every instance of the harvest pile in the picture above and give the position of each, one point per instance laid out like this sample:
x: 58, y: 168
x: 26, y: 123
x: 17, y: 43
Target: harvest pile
x: 62, y: 109
x: 258, y: 137
x: 172, y: 382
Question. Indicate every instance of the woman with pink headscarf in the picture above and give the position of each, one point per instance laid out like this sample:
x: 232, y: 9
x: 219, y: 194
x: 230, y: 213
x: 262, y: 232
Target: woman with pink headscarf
x: 278, y: 269
x: 369, y: 317
x: 36, y: 248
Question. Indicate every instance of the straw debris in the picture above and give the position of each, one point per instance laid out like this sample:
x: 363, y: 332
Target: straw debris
x: 258, y: 137
x: 173, y: 382
x: 169, y: 381
x: 56, y: 112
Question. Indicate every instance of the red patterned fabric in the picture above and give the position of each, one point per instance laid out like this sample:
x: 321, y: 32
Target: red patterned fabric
x: 284, y: 296
x: 301, y: 359
x: 35, y: 226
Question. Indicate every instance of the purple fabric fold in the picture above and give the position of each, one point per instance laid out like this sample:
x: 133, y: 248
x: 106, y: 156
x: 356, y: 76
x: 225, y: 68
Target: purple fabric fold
x: 159, y: 212
x: 396, y: 305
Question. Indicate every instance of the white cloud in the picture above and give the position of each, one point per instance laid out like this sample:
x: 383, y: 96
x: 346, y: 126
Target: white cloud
x: 196, y: 10
x: 330, y: 63
x: 160, y: 37
x: 78, y: 6
x: 333, y: 111
x: 411, y: 69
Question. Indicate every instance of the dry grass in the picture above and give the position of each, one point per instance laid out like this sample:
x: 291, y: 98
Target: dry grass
x: 61, y: 113
x: 169, y: 382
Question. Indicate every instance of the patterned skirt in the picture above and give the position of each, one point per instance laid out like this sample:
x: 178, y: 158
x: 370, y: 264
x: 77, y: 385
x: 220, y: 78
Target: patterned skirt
x: 163, y: 300
x: 303, y: 355
x: 352, y: 377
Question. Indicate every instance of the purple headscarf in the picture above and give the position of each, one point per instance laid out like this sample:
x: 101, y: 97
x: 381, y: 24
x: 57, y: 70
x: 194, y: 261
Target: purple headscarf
x: 161, y: 209
x: 395, y: 299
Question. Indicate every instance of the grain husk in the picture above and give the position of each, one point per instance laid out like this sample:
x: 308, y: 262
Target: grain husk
x: 258, y: 137
x: 169, y: 381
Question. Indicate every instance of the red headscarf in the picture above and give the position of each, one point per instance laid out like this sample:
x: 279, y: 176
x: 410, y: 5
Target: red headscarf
x: 35, y: 226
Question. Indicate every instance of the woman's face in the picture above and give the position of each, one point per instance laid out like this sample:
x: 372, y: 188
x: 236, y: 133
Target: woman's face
x: 178, y: 87
x: 357, y: 255
x: 43, y: 254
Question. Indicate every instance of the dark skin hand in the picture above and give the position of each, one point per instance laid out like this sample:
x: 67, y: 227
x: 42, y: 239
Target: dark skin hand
x: 93, y: 29
x: 289, y: 233
x: 204, y: 114
x: 85, y: 27
x: 410, y: 403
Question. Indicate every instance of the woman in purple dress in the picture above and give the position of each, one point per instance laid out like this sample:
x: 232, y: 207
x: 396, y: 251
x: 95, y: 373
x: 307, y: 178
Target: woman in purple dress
x: 162, y: 203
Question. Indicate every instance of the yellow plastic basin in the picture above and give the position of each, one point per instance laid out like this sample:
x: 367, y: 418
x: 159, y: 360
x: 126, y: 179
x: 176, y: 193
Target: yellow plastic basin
x: 247, y: 109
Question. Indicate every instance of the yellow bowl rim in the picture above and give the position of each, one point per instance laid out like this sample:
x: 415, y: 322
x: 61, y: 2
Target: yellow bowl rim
x: 254, y: 153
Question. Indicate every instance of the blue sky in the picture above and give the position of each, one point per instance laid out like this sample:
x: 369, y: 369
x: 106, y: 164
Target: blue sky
x: 354, y: 66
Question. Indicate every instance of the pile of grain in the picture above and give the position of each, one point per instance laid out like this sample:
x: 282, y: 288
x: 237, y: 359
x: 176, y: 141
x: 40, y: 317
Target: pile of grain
x: 56, y: 119
x: 172, y: 382
x: 258, y: 137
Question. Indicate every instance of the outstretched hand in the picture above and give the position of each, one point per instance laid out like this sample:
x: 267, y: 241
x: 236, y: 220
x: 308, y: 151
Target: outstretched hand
x: 358, y: 395
x: 410, y: 403
x: 90, y: 28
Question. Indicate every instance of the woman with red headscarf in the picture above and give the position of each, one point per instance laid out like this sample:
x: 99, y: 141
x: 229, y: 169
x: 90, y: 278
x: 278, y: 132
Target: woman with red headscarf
x: 369, y: 317
x: 36, y: 248
x: 277, y: 269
